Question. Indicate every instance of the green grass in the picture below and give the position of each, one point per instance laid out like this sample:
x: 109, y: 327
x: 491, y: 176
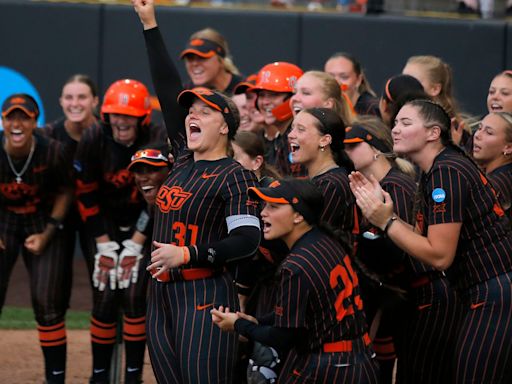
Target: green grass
x: 23, y: 318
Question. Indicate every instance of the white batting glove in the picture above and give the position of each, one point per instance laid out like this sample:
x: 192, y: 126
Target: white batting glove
x: 105, y: 263
x: 128, y: 267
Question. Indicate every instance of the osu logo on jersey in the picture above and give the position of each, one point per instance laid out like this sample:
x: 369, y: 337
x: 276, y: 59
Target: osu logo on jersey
x: 171, y: 199
x: 120, y: 179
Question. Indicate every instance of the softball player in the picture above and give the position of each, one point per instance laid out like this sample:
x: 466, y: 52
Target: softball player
x: 110, y: 205
x: 203, y: 221
x: 35, y: 192
x: 492, y: 150
x: 419, y: 329
x: 499, y: 98
x: 209, y: 63
x: 349, y: 73
x: 316, y: 140
x: 462, y: 230
x: 318, y: 313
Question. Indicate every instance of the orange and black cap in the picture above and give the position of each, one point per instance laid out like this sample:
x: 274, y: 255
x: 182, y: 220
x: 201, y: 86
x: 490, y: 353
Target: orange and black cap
x: 149, y: 156
x: 214, y: 100
x: 358, y: 134
x: 21, y: 101
x: 283, y: 192
x: 203, y: 48
x: 246, y: 85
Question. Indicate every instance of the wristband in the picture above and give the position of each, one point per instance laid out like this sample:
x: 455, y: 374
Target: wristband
x: 186, y: 255
x: 55, y: 222
x: 390, y: 222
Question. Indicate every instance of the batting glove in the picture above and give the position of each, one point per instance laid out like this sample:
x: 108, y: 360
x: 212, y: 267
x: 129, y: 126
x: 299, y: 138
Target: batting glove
x: 128, y: 267
x: 105, y: 263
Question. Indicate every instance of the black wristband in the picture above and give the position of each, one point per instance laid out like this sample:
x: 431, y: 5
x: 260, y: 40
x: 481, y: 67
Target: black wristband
x: 56, y: 223
x: 390, y: 222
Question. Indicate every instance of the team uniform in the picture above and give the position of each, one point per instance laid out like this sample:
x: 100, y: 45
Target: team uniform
x: 319, y: 298
x: 501, y: 180
x: 25, y: 209
x: 203, y: 206
x: 57, y: 131
x: 455, y: 191
x: 109, y: 203
x: 367, y: 105
x: 339, y: 208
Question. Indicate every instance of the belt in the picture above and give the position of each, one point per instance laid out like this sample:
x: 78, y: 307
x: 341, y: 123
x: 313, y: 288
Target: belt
x: 345, y: 345
x: 426, y: 279
x: 187, y: 274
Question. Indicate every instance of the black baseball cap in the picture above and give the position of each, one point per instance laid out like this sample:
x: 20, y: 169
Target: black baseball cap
x: 358, y: 134
x: 400, y: 85
x: 21, y: 101
x: 213, y: 99
x: 149, y: 156
x: 283, y: 192
x: 246, y: 85
x: 204, y: 48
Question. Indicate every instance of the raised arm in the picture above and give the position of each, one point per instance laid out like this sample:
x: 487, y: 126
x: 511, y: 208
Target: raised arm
x: 165, y: 76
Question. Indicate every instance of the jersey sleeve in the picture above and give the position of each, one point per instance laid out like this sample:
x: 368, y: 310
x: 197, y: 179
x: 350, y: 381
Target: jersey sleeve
x: 446, y: 192
x: 292, y: 298
x: 234, y: 193
x: 167, y: 83
x: 88, y: 179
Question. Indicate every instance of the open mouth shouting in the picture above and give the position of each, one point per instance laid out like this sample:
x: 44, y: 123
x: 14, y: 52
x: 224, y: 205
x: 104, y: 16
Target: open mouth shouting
x: 194, y: 131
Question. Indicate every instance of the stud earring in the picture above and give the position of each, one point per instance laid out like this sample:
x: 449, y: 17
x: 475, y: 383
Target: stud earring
x: 322, y: 148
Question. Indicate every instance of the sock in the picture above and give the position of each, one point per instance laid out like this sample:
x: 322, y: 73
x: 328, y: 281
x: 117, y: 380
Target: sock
x: 134, y: 336
x: 53, y: 343
x: 103, y: 338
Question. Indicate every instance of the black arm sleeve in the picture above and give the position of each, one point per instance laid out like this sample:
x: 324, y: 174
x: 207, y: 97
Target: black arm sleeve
x: 241, y: 242
x: 167, y: 83
x: 281, y: 339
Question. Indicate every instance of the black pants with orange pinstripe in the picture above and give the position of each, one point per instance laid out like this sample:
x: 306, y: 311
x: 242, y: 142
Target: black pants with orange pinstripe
x: 107, y: 306
x: 184, y: 344
x: 426, y: 347
x: 50, y: 284
x: 484, y: 343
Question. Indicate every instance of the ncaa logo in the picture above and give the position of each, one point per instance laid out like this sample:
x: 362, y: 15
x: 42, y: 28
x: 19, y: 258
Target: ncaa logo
x: 438, y: 195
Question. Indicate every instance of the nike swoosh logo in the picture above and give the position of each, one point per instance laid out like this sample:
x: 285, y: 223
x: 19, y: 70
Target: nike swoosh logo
x: 202, y: 307
x: 130, y: 369
x: 477, y: 305
x: 99, y: 370
x: 421, y: 307
x: 209, y: 176
x: 57, y: 373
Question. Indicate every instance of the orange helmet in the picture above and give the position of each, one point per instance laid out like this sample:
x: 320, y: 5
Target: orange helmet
x: 278, y: 77
x: 127, y: 97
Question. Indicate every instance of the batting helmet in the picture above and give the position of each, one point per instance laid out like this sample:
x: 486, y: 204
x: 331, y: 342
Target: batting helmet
x: 127, y: 97
x: 278, y: 77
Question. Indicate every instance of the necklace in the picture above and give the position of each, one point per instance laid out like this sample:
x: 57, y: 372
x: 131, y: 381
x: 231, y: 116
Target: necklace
x: 25, y: 166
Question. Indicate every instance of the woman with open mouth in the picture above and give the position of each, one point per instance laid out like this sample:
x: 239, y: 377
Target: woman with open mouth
x: 492, y: 150
x: 461, y: 230
x: 499, y: 98
x: 316, y: 142
x: 204, y: 223
x: 318, y: 314
x: 36, y: 191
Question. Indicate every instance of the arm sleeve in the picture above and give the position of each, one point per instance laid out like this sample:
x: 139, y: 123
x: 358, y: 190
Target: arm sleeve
x: 446, y: 193
x: 278, y: 338
x: 88, y: 178
x: 241, y: 242
x: 167, y: 83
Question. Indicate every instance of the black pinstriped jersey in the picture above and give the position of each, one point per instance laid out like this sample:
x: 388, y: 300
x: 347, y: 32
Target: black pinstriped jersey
x: 193, y: 203
x: 455, y: 191
x: 501, y: 180
x: 46, y: 174
x: 319, y: 291
x: 105, y: 188
x: 339, y: 202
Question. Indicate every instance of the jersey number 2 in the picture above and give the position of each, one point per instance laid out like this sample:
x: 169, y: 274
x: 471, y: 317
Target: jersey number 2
x: 348, y: 281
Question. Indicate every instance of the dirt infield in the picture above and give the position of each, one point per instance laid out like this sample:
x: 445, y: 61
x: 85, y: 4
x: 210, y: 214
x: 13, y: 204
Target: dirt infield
x: 21, y: 359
